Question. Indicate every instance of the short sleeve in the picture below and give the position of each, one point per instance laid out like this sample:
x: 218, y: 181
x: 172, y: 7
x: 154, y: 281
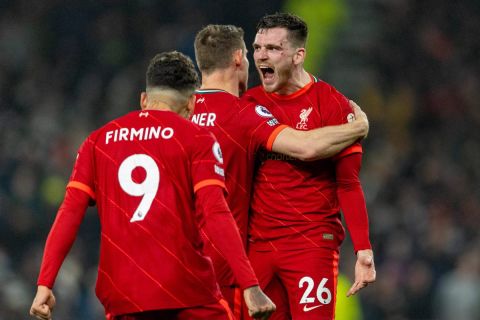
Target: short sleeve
x: 263, y: 127
x: 207, y: 161
x: 83, y: 173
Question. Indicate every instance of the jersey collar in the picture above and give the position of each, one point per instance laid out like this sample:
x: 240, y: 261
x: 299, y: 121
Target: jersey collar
x: 207, y: 91
x: 297, y: 93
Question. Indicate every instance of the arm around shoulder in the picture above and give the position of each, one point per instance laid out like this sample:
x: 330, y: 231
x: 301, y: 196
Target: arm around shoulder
x: 322, y: 142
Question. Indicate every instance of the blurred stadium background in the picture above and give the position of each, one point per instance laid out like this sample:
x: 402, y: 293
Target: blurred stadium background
x: 66, y: 67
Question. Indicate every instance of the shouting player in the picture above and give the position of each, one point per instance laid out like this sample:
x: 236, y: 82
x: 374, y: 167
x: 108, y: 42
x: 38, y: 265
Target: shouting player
x: 243, y: 128
x: 295, y: 227
x: 147, y: 171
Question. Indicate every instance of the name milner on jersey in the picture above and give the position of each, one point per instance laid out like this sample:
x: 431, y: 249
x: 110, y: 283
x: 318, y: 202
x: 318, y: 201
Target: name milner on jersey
x: 132, y: 134
x: 206, y: 119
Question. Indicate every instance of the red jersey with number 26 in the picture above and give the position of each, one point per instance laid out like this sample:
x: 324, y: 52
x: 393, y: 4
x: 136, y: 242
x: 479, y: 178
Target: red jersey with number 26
x: 295, y: 203
x: 143, y: 169
x: 241, y: 130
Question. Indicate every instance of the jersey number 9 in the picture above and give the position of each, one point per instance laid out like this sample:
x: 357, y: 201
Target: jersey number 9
x: 146, y: 189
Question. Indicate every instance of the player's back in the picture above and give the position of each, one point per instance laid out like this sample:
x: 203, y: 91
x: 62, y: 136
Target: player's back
x: 241, y: 129
x: 151, y: 251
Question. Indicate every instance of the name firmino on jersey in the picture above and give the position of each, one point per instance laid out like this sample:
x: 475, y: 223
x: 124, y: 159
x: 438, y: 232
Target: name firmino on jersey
x: 132, y: 134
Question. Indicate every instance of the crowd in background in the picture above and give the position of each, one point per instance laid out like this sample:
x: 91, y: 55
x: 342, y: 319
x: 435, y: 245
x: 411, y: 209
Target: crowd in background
x: 66, y: 67
x: 422, y: 163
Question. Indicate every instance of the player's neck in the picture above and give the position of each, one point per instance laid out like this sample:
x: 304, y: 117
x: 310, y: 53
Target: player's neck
x: 158, y: 105
x: 299, y: 79
x: 167, y: 106
x: 223, y: 80
x: 161, y: 100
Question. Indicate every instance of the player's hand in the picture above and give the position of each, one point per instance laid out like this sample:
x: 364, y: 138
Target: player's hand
x: 360, y: 118
x: 43, y: 304
x: 364, y: 271
x: 259, y: 305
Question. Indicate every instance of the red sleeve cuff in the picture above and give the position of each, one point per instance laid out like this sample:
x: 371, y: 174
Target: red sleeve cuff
x: 208, y: 182
x: 273, y: 136
x: 360, y: 239
x: 354, y: 148
x: 82, y: 186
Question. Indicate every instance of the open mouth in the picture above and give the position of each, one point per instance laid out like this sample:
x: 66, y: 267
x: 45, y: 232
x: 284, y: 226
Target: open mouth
x: 267, y: 72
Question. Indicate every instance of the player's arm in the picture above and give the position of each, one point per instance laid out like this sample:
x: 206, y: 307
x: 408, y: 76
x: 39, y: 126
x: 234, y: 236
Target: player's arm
x: 322, y: 142
x: 223, y: 232
x: 352, y: 202
x: 59, y: 241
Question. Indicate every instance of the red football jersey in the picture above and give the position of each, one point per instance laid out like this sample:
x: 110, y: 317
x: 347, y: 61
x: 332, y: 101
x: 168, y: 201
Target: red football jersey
x: 143, y: 169
x: 294, y: 203
x: 241, y: 130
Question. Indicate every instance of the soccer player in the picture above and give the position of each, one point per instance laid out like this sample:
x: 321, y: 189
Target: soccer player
x: 243, y: 128
x: 295, y: 224
x: 147, y: 171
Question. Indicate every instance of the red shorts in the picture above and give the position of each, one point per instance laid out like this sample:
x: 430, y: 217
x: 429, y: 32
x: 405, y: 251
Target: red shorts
x: 215, y: 311
x: 308, y: 278
x: 234, y: 297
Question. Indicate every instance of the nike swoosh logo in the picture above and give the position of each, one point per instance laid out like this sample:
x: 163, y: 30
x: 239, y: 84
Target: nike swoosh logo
x: 306, y: 309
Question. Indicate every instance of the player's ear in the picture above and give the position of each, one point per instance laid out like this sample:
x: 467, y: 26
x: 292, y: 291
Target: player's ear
x: 299, y: 56
x: 191, y: 103
x: 143, y: 100
x: 238, y: 57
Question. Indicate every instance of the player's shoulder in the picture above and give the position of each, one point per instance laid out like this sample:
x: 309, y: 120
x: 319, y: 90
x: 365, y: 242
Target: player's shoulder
x: 127, y: 118
x: 198, y: 137
x: 254, y: 98
x: 215, y: 100
x: 253, y: 108
x: 112, y: 124
x: 156, y: 118
x: 185, y: 131
x: 253, y: 93
x: 322, y: 87
x: 205, y: 95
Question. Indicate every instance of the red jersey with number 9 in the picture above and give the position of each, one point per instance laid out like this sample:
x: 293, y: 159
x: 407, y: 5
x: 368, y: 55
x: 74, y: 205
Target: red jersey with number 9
x: 142, y: 170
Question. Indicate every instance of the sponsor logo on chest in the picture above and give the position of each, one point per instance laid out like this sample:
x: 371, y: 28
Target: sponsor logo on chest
x: 304, y: 114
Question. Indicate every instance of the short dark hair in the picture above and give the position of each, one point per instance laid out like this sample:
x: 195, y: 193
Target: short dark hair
x: 172, y: 70
x: 296, y: 27
x: 215, y: 45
